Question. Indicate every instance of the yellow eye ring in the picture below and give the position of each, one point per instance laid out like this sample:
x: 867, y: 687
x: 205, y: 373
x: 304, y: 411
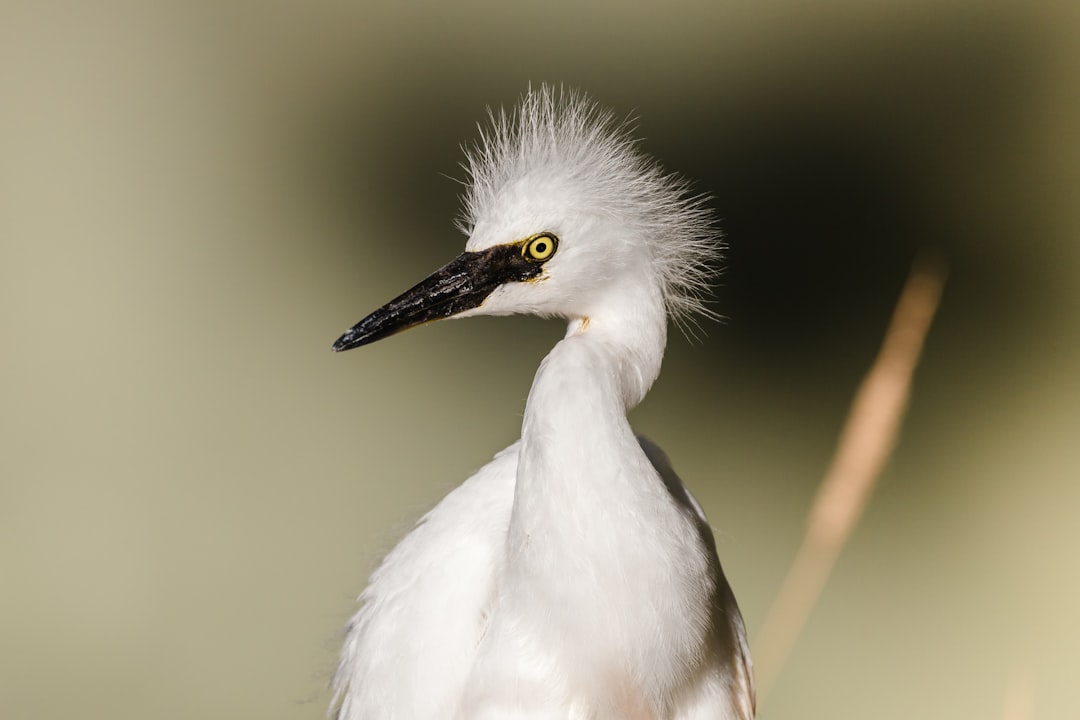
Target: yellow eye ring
x: 539, y: 247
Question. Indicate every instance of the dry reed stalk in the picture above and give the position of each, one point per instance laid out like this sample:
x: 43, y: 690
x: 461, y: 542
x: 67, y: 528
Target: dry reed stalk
x: 1019, y: 702
x: 864, y: 446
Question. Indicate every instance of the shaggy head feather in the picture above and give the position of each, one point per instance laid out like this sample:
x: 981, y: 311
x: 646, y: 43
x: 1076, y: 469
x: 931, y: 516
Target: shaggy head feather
x: 562, y: 143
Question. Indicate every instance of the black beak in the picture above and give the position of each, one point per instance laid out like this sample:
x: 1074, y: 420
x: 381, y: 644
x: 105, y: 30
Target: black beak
x: 461, y: 285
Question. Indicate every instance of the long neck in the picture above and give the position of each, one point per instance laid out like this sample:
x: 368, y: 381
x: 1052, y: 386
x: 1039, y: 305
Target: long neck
x: 612, y: 356
x: 578, y: 451
x: 599, y: 556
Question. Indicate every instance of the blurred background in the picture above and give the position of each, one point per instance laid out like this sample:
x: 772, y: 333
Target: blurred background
x: 196, y: 198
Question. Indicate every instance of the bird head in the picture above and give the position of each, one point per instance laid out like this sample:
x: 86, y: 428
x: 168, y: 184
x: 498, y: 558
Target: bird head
x: 564, y: 215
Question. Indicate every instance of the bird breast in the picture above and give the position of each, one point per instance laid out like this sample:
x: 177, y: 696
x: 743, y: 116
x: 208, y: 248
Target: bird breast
x: 606, y: 574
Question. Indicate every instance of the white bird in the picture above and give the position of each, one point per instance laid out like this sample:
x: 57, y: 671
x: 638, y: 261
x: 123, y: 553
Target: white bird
x: 573, y: 577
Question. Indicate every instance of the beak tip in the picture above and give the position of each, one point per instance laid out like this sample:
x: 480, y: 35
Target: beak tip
x: 343, y: 343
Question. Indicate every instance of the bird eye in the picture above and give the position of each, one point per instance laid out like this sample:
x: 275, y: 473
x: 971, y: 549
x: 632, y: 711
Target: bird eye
x: 539, y: 247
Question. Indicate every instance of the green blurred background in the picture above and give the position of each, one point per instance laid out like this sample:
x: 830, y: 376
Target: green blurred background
x: 197, y: 197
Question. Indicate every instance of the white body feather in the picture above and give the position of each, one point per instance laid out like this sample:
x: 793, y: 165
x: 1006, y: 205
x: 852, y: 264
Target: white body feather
x: 573, y: 577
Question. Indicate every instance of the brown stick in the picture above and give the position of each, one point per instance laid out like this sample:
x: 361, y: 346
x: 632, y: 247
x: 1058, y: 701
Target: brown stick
x: 1020, y: 694
x: 864, y: 447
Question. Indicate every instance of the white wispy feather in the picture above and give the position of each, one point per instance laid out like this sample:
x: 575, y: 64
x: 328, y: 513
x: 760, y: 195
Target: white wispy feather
x: 564, y: 133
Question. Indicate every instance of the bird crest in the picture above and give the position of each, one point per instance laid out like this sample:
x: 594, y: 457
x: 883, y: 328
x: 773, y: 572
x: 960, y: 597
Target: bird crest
x: 564, y: 138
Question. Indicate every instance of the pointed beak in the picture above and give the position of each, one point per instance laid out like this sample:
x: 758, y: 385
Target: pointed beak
x: 461, y: 285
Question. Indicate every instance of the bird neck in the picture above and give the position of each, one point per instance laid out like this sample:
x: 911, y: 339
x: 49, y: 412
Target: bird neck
x: 575, y: 432
x: 583, y: 482
x: 617, y: 348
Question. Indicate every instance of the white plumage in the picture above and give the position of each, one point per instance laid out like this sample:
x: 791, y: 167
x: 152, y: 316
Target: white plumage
x: 573, y: 577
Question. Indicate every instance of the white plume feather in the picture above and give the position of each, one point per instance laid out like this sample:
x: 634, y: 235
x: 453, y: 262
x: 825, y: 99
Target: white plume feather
x: 564, y: 132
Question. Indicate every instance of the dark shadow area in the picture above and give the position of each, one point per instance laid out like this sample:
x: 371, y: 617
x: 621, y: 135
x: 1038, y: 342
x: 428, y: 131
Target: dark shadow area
x: 829, y: 174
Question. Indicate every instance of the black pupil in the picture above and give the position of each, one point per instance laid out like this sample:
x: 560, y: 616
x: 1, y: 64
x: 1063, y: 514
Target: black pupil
x: 540, y: 248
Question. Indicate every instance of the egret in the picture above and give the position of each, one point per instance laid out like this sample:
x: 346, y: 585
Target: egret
x: 573, y: 577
